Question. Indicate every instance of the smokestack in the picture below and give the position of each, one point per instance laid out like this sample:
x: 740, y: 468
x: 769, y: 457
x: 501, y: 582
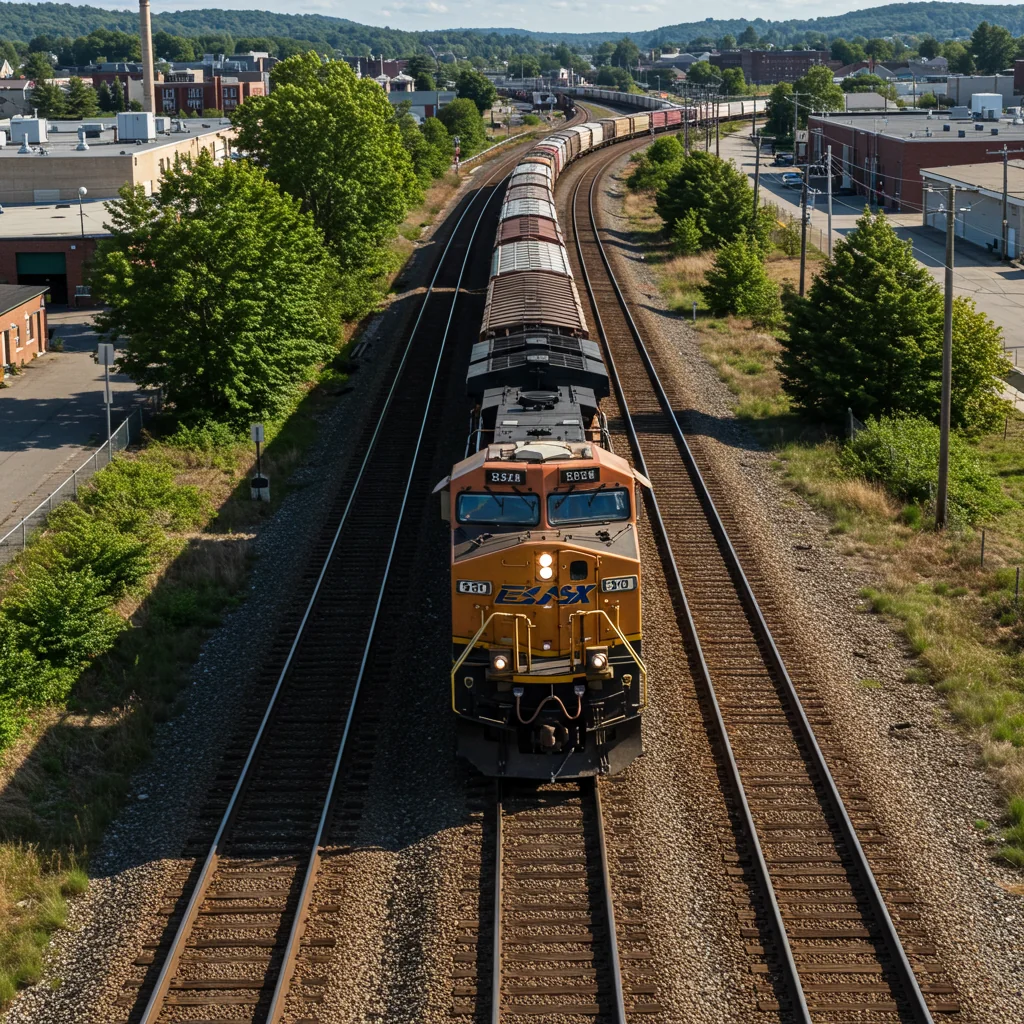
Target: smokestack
x: 146, y: 37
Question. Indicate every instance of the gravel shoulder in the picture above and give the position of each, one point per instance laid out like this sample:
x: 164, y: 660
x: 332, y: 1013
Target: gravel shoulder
x: 88, y: 963
x: 925, y: 783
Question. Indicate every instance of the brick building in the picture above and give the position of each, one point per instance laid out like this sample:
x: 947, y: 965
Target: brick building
x: 195, y: 90
x: 22, y: 324
x: 766, y: 67
x: 883, y: 156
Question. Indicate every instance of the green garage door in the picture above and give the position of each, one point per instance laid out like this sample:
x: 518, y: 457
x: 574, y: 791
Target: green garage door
x: 41, y: 263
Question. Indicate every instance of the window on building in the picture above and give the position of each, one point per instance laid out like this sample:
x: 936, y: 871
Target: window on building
x: 29, y: 325
x: 195, y: 94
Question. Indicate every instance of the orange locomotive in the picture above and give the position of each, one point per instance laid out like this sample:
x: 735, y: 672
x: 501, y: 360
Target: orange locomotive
x: 547, y: 674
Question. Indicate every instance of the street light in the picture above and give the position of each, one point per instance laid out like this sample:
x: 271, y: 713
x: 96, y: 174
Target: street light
x: 82, y: 193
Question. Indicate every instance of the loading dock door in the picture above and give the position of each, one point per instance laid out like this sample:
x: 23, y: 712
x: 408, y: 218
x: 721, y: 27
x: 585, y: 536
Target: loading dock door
x: 47, y: 269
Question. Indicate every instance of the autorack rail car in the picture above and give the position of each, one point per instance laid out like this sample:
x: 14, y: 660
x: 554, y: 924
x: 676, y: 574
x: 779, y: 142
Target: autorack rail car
x: 548, y: 678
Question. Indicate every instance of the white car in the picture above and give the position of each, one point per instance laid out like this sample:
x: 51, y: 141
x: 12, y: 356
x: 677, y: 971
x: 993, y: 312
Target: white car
x: 791, y: 179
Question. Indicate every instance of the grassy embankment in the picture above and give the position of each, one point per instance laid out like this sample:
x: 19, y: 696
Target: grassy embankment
x: 159, y: 550
x: 960, y: 617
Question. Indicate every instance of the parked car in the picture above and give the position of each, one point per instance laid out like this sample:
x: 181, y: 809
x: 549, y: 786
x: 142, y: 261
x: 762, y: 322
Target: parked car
x: 784, y: 160
x: 792, y: 179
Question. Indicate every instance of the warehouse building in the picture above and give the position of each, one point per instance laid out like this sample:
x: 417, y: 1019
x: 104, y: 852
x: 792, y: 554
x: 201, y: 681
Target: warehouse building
x: 763, y: 67
x: 883, y: 156
x: 55, y: 167
x: 22, y: 325
x: 979, y: 216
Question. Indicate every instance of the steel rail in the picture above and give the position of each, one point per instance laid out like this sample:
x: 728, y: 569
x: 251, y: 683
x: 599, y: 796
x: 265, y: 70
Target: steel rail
x: 276, y: 1011
x: 613, y: 937
x: 498, y: 896
x: 157, y: 998
x: 912, y: 990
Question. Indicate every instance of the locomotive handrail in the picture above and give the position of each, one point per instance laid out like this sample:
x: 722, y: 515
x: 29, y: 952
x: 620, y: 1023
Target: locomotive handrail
x: 476, y: 636
x: 622, y: 638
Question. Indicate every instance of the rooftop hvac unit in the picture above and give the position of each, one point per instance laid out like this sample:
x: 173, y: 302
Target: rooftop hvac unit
x: 982, y: 101
x: 163, y: 124
x: 28, y: 129
x: 947, y: 127
x: 135, y: 126
x: 93, y: 130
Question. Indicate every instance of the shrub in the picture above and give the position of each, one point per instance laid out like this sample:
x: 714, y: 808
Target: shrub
x: 687, y: 233
x: 902, y: 454
x: 136, y: 496
x: 531, y: 119
x: 737, y: 283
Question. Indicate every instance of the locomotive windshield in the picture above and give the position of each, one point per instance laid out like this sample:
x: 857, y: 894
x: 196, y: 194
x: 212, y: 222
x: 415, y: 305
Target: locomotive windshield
x: 593, y: 506
x: 498, y: 509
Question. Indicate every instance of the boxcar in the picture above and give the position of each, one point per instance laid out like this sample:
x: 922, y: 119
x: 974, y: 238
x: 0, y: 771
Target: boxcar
x: 523, y: 301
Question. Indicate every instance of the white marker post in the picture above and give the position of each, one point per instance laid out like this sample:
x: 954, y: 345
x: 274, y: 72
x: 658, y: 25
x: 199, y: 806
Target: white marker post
x: 259, y: 485
x: 105, y: 357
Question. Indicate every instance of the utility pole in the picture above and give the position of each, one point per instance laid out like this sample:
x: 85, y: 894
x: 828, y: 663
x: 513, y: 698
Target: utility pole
x: 828, y: 170
x: 803, y: 206
x: 1006, y: 153
x: 757, y: 171
x: 718, y: 112
x: 942, y: 492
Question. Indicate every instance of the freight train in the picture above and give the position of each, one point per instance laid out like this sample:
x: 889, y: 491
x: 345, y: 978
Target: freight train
x: 547, y: 677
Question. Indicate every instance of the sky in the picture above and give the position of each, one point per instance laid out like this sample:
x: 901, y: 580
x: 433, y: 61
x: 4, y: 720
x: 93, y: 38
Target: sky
x: 537, y: 15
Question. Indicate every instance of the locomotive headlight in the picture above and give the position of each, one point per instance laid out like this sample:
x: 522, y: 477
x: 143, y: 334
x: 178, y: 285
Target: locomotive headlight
x: 545, y: 559
x: 501, y: 662
x: 545, y: 572
x: 597, y: 662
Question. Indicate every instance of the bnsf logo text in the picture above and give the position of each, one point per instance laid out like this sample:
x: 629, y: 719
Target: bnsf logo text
x: 579, y: 594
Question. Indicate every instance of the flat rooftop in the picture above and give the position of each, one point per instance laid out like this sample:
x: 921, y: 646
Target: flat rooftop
x: 986, y: 176
x: 903, y: 126
x: 62, y: 138
x: 53, y: 220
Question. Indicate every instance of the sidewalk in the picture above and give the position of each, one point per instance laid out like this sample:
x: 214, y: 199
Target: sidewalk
x: 997, y: 288
x: 52, y: 415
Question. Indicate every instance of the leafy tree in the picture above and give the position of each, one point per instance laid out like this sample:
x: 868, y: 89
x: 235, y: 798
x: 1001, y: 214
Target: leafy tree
x: 716, y: 190
x: 978, y: 363
x: 103, y: 98
x: 461, y: 118
x: 847, y: 52
x: 48, y: 98
x: 471, y: 85
x: 780, y: 112
x: 737, y: 283
x: 221, y: 290
x: 869, y: 83
x: 929, y: 99
x: 438, y: 158
x: 660, y: 161
x: 993, y: 48
x: 626, y: 53
x: 331, y: 140
x: 748, y: 37
x: 880, y: 49
x: 38, y: 67
x: 136, y: 105
x: 117, y: 103
x: 603, y: 54
x: 616, y: 78
x: 701, y: 72
x: 425, y: 82
x: 81, y: 100
x: 929, y: 48
x: 961, y: 60
x: 733, y: 82
x: 818, y: 92
x: 727, y: 42
x: 688, y: 233
x: 868, y: 335
x: 420, y: 64
x: 174, y: 47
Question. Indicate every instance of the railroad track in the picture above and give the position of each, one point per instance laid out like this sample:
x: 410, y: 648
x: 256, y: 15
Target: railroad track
x: 836, y: 926
x: 235, y: 943
x: 544, y: 941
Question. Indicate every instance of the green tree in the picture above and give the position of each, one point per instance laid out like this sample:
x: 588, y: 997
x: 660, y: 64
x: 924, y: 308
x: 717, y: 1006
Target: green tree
x: 220, y: 290
x: 615, y: 77
x: 993, y: 48
x: 688, y: 233
x: 701, y: 72
x: 38, y: 67
x: 429, y: 146
x: 103, y: 98
x: 421, y: 64
x: 727, y: 42
x: 425, y: 82
x: 929, y: 47
x: 81, y: 100
x: 48, y: 98
x: 869, y: 83
x: 438, y: 158
x: 780, y: 113
x: 818, y: 92
x: 868, y: 335
x: 461, y: 118
x: 748, y: 37
x: 979, y: 362
x: 961, y: 60
x: 626, y: 53
x: 737, y: 283
x: 331, y: 140
x: 471, y: 85
x: 848, y: 53
x: 660, y: 161
x: 880, y: 49
x: 716, y: 190
x: 928, y: 100
x: 733, y: 82
x: 117, y: 103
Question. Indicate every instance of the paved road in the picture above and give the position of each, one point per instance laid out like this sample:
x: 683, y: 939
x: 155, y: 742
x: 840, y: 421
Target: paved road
x: 52, y: 416
x: 998, y: 289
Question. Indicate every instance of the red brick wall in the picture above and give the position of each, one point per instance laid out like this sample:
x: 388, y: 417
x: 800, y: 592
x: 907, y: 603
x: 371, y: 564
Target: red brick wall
x: 897, y: 170
x: 78, y: 251
x: 16, y: 345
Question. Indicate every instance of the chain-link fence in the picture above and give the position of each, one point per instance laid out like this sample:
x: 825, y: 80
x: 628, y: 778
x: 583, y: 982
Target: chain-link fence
x: 15, y: 540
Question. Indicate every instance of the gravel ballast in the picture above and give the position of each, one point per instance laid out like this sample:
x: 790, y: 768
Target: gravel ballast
x: 925, y: 783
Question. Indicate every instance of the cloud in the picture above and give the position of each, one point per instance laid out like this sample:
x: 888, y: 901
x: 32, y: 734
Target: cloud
x: 436, y: 8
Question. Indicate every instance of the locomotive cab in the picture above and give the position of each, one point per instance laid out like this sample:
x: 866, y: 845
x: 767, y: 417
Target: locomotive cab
x: 547, y: 676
